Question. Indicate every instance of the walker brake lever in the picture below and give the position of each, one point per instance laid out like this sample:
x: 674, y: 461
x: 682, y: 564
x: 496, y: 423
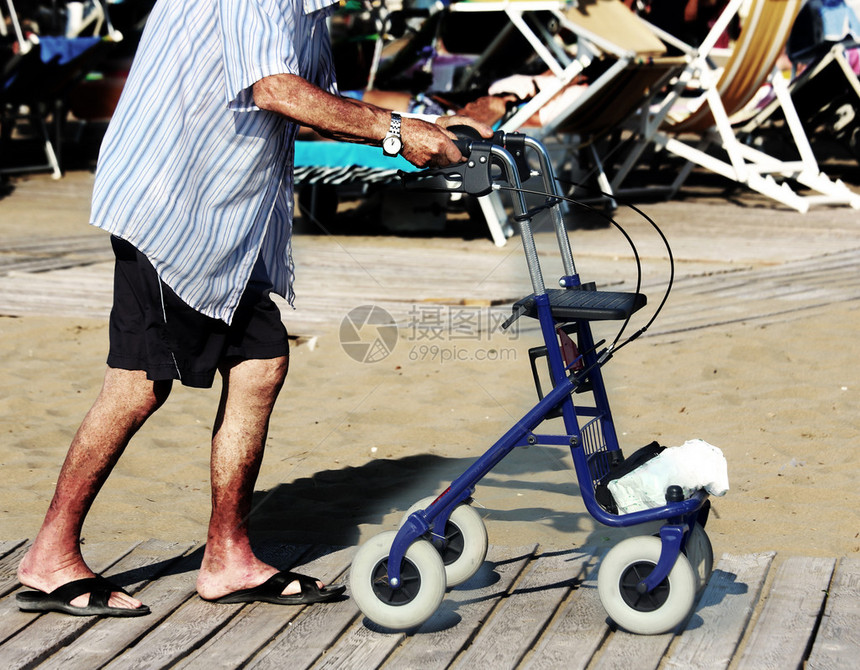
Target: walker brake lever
x: 471, y: 176
x: 474, y: 176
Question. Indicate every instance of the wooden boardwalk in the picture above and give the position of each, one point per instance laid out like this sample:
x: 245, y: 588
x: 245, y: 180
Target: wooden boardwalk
x: 73, y: 277
x: 523, y: 609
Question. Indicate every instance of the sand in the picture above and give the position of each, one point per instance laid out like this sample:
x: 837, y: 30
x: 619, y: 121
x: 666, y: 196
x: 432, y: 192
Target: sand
x: 352, y: 445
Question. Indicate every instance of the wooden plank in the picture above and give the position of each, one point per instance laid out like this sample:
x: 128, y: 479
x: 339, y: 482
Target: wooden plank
x: 336, y: 636
x: 399, y: 278
x: 331, y: 637
x: 186, y: 628
x: 109, y: 637
x: 191, y: 624
x: 360, y: 647
x: 438, y: 642
x: 578, y: 631
x: 712, y: 635
x: 19, y: 265
x: 257, y: 625
x: 93, y: 238
x: 7, y: 547
x: 518, y: 622
x: 837, y: 644
x: 625, y: 650
x: 785, y: 627
x: 49, y: 632
x: 13, y: 551
x: 365, y: 645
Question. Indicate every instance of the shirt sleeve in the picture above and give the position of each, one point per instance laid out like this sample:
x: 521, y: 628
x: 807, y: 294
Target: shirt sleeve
x: 326, y: 77
x: 257, y: 41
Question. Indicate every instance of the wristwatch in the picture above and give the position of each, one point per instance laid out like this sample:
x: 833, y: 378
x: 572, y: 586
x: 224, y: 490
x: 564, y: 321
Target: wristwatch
x: 392, y: 144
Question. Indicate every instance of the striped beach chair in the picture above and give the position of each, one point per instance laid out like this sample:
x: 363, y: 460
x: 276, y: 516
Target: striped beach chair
x: 706, y: 135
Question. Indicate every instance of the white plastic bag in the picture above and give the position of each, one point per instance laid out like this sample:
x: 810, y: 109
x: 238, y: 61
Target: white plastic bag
x: 692, y: 466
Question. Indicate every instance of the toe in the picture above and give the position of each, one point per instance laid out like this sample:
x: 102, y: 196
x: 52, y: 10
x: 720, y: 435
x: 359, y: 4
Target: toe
x: 117, y: 599
x: 295, y: 587
x: 125, y: 601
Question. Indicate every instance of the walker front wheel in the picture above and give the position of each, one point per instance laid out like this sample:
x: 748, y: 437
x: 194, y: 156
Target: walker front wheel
x: 423, y: 583
x: 464, y: 541
x: 659, y: 611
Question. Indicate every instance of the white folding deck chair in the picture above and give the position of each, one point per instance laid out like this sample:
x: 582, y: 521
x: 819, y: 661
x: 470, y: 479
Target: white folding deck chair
x: 727, y: 92
x: 826, y: 92
x: 604, y: 30
x: 564, y: 66
x: 636, y: 69
x: 826, y: 96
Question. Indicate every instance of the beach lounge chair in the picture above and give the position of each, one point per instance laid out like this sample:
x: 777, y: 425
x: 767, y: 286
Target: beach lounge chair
x: 820, y: 25
x: 35, y: 82
x: 624, y: 61
x: 607, y: 32
x: 319, y: 166
x: 726, y: 92
x: 630, y: 67
x: 34, y: 88
x: 826, y: 96
x: 322, y: 168
x: 826, y: 93
x: 13, y: 70
x: 612, y: 41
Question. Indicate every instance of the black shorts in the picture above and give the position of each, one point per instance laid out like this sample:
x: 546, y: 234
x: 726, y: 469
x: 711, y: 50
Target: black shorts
x: 151, y: 329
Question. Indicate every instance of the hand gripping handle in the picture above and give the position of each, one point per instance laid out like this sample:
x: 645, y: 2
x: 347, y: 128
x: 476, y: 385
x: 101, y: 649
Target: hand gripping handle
x: 471, y: 176
x: 466, y: 135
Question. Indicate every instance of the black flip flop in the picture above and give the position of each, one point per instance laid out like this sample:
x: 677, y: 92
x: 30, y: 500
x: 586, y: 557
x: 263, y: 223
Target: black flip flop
x: 60, y: 599
x: 270, y: 591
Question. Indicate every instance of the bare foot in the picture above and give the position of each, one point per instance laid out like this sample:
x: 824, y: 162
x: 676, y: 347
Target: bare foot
x: 50, y: 574
x: 215, y: 581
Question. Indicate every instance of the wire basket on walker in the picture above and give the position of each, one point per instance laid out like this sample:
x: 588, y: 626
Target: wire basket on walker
x: 646, y: 583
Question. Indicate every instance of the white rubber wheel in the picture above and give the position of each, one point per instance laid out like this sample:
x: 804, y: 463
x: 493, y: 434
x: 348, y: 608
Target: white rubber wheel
x: 466, y: 541
x: 422, y: 574
x: 700, y: 554
x: 660, y: 611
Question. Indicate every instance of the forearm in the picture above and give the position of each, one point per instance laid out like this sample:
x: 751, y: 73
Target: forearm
x: 330, y: 115
x: 424, y: 144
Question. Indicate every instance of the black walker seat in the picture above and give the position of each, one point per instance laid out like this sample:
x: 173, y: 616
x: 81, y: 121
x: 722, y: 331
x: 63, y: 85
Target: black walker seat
x: 582, y: 304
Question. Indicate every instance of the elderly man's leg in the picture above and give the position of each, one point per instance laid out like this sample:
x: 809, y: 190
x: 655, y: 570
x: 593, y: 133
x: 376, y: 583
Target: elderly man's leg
x: 126, y: 400
x: 248, y: 397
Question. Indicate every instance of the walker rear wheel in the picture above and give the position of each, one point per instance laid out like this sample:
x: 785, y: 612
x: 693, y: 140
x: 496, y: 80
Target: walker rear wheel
x: 700, y: 554
x: 659, y: 611
x: 464, y: 539
x: 423, y: 583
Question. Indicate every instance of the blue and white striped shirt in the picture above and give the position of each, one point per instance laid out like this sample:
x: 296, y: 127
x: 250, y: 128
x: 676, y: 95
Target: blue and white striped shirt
x: 190, y: 171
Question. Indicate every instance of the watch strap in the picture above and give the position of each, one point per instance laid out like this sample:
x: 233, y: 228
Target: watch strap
x: 394, y: 127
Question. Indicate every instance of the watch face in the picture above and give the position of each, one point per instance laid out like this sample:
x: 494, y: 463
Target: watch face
x: 392, y: 145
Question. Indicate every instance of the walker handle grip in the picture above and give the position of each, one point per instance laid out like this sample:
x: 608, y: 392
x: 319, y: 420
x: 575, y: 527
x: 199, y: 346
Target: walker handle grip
x: 465, y: 136
x: 513, y: 142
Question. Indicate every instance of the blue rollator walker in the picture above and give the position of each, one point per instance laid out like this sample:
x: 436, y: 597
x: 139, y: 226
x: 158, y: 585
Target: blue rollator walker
x: 646, y: 583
